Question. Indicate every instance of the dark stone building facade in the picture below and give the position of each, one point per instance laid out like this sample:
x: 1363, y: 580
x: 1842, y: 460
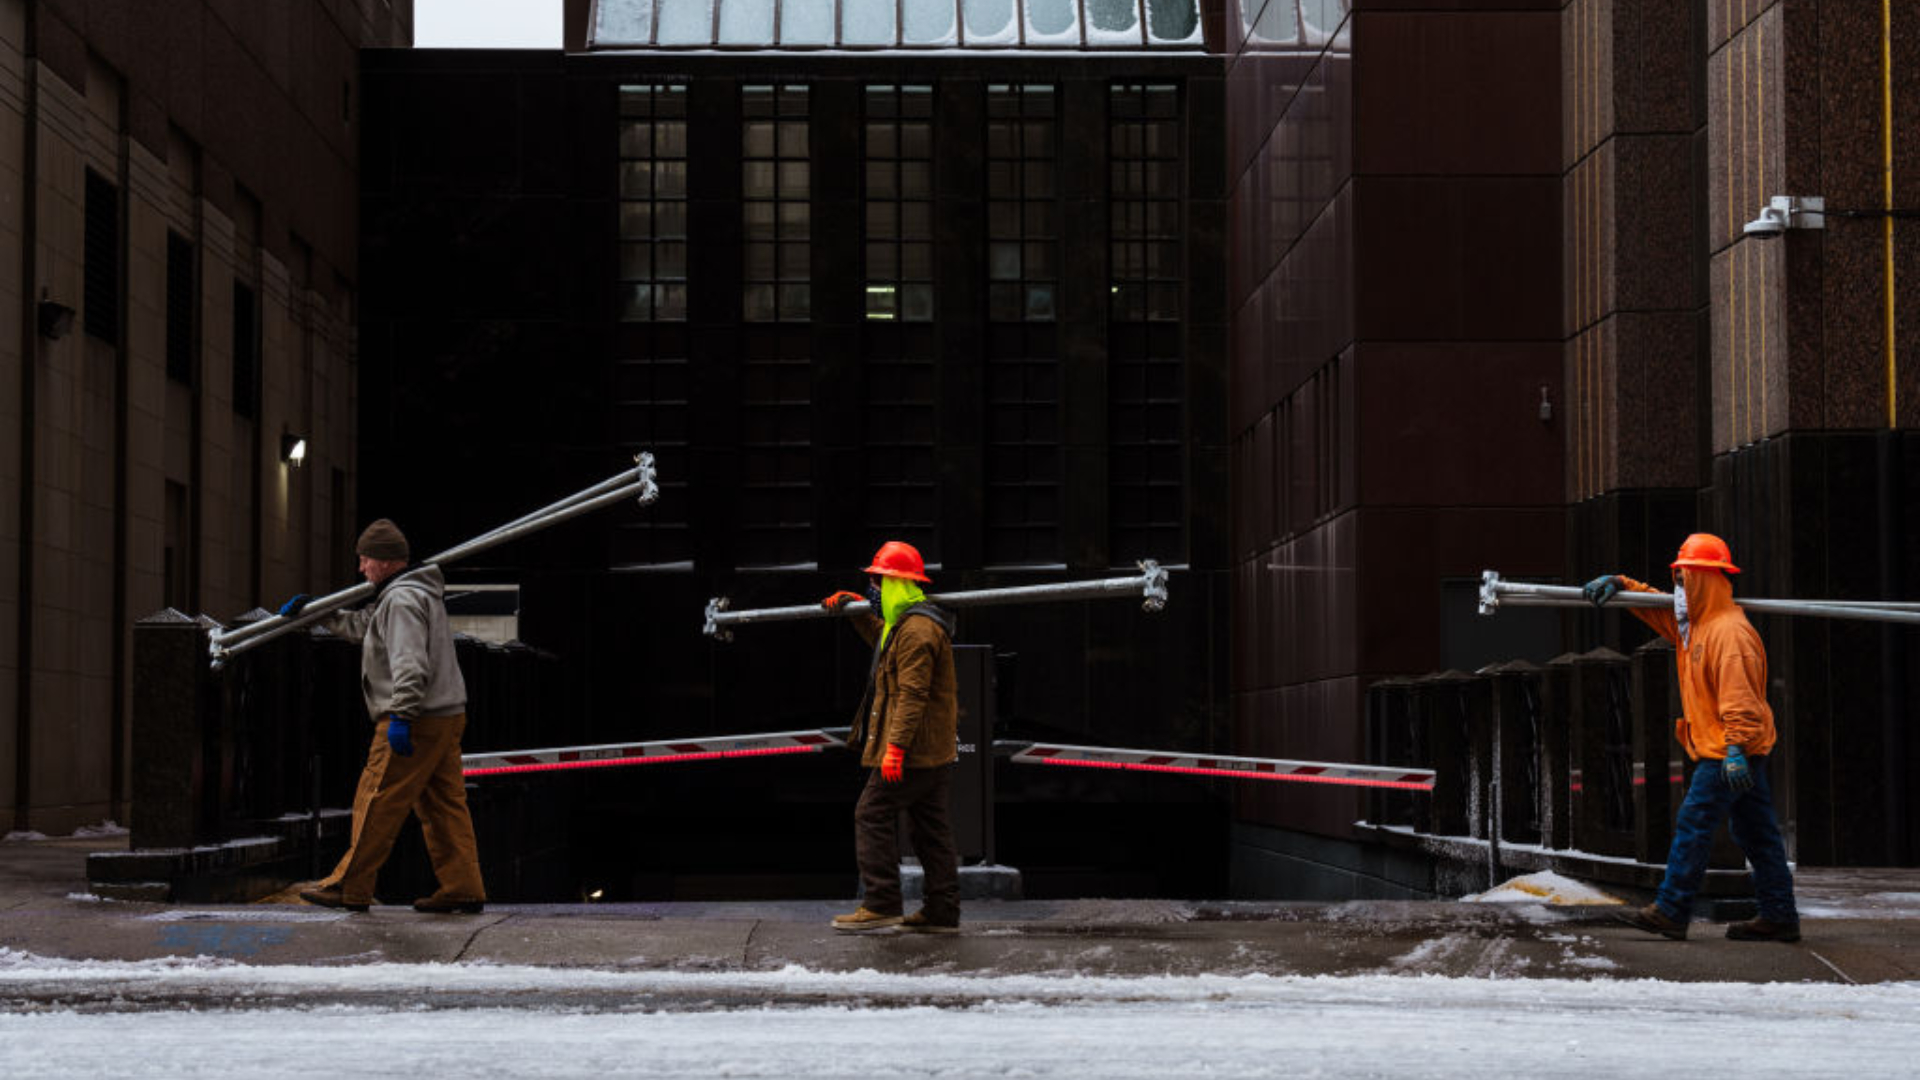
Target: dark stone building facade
x: 972, y: 302
x: 1457, y: 287
x: 178, y: 194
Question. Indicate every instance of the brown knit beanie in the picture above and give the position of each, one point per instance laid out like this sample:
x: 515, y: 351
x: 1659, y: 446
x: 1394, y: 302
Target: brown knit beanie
x: 382, y: 540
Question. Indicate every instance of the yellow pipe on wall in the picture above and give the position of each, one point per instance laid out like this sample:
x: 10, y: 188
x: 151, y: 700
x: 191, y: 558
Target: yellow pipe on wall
x: 1886, y: 151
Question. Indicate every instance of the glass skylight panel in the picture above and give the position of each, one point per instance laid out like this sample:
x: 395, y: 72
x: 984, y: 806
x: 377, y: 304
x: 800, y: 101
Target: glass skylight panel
x: 1112, y: 22
x: 1279, y: 24
x: 617, y: 24
x: 806, y: 22
x: 746, y: 22
x: 990, y: 22
x: 935, y: 24
x: 1173, y: 22
x: 1052, y: 23
x: 867, y: 22
x: 1320, y: 18
x: 928, y: 22
x: 686, y: 22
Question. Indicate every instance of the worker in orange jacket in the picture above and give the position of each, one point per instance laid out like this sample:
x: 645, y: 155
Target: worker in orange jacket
x: 1727, y: 727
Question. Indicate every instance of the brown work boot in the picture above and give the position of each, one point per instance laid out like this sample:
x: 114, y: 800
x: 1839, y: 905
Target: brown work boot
x: 863, y: 920
x: 1762, y: 930
x: 329, y: 896
x: 918, y: 923
x: 1654, y: 921
x: 447, y: 905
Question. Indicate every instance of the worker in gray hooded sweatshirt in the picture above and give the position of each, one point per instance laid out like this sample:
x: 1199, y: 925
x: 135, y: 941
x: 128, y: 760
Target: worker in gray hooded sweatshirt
x: 418, y: 702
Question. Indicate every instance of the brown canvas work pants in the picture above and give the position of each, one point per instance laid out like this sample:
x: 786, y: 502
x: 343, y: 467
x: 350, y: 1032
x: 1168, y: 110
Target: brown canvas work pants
x: 923, y: 795
x: 429, y: 784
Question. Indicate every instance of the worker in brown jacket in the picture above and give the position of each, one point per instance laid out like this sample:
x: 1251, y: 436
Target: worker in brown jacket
x: 1727, y: 728
x: 907, y: 730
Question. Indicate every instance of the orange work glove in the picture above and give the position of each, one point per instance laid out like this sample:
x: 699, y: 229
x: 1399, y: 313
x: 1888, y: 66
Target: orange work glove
x: 891, y: 766
x: 837, y: 600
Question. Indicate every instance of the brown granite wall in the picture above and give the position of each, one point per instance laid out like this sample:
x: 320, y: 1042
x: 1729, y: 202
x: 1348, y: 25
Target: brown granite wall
x: 1631, y: 115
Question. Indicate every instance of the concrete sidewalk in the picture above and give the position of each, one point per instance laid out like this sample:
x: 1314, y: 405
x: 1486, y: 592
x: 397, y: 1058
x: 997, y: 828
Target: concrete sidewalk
x: 1860, y: 926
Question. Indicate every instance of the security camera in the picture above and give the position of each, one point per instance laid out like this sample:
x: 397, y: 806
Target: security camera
x: 1784, y: 212
x: 1768, y: 226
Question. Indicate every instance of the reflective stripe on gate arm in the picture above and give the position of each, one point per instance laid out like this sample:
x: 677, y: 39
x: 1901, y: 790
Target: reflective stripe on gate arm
x: 1236, y: 768
x: 665, y: 751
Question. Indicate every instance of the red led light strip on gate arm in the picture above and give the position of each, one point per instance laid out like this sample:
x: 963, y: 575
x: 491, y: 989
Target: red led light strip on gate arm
x: 655, y: 759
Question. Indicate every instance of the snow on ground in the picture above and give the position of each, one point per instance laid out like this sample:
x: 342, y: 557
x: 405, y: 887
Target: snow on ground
x: 85, y: 832
x: 1543, y: 887
x: 1872, y: 905
x: 864, y: 1024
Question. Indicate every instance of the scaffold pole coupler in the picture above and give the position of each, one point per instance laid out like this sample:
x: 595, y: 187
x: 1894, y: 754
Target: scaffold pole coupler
x: 639, y: 482
x: 1150, y: 584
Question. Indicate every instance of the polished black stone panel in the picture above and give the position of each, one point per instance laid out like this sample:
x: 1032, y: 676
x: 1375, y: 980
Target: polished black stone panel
x: 169, y: 730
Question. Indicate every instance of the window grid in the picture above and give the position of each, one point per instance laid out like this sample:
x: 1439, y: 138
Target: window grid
x: 902, y: 487
x: 1022, y: 203
x: 776, y: 202
x: 1146, y: 373
x: 101, y: 284
x: 651, y: 410
x: 653, y: 203
x: 1144, y: 197
x: 246, y: 351
x: 899, y: 207
x: 1146, y: 492
x: 1023, y: 465
x: 776, y: 418
x: 181, y: 303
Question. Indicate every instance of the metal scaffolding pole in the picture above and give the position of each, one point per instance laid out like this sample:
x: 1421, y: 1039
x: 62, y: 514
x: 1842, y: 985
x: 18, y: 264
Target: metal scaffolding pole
x: 638, y: 482
x: 1150, y: 584
x: 1496, y: 593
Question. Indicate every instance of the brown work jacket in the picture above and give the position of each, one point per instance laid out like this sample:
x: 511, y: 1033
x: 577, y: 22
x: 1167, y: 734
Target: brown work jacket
x: 1722, y: 668
x: 913, y: 698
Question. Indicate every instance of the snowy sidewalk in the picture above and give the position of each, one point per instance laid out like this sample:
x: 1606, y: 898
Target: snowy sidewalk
x: 1861, y: 927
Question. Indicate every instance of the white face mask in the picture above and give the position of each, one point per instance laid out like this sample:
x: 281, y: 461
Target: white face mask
x: 1680, y: 608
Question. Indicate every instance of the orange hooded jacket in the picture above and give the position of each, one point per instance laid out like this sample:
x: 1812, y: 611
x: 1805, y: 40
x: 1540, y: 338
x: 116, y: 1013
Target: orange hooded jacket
x: 1723, y: 670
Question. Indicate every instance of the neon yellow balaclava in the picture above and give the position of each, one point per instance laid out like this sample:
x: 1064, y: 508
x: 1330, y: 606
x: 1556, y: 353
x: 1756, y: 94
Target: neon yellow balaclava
x: 896, y: 596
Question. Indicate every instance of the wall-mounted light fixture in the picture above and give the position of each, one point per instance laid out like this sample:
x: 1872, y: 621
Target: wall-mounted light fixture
x: 293, y: 449
x: 54, y: 318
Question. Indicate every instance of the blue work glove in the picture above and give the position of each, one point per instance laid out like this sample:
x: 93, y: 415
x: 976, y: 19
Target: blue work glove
x: 400, y: 735
x: 292, y: 608
x: 1739, y: 774
x: 1601, y: 589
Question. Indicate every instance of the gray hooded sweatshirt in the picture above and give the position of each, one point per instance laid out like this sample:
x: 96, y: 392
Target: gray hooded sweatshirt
x: 407, y: 666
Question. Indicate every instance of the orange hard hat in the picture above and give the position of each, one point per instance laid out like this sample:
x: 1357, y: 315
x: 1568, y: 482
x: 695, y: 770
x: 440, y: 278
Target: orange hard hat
x: 1705, y: 551
x: 896, y: 558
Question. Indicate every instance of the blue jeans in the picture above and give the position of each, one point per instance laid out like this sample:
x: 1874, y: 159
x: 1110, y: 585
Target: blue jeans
x: 1709, y: 801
